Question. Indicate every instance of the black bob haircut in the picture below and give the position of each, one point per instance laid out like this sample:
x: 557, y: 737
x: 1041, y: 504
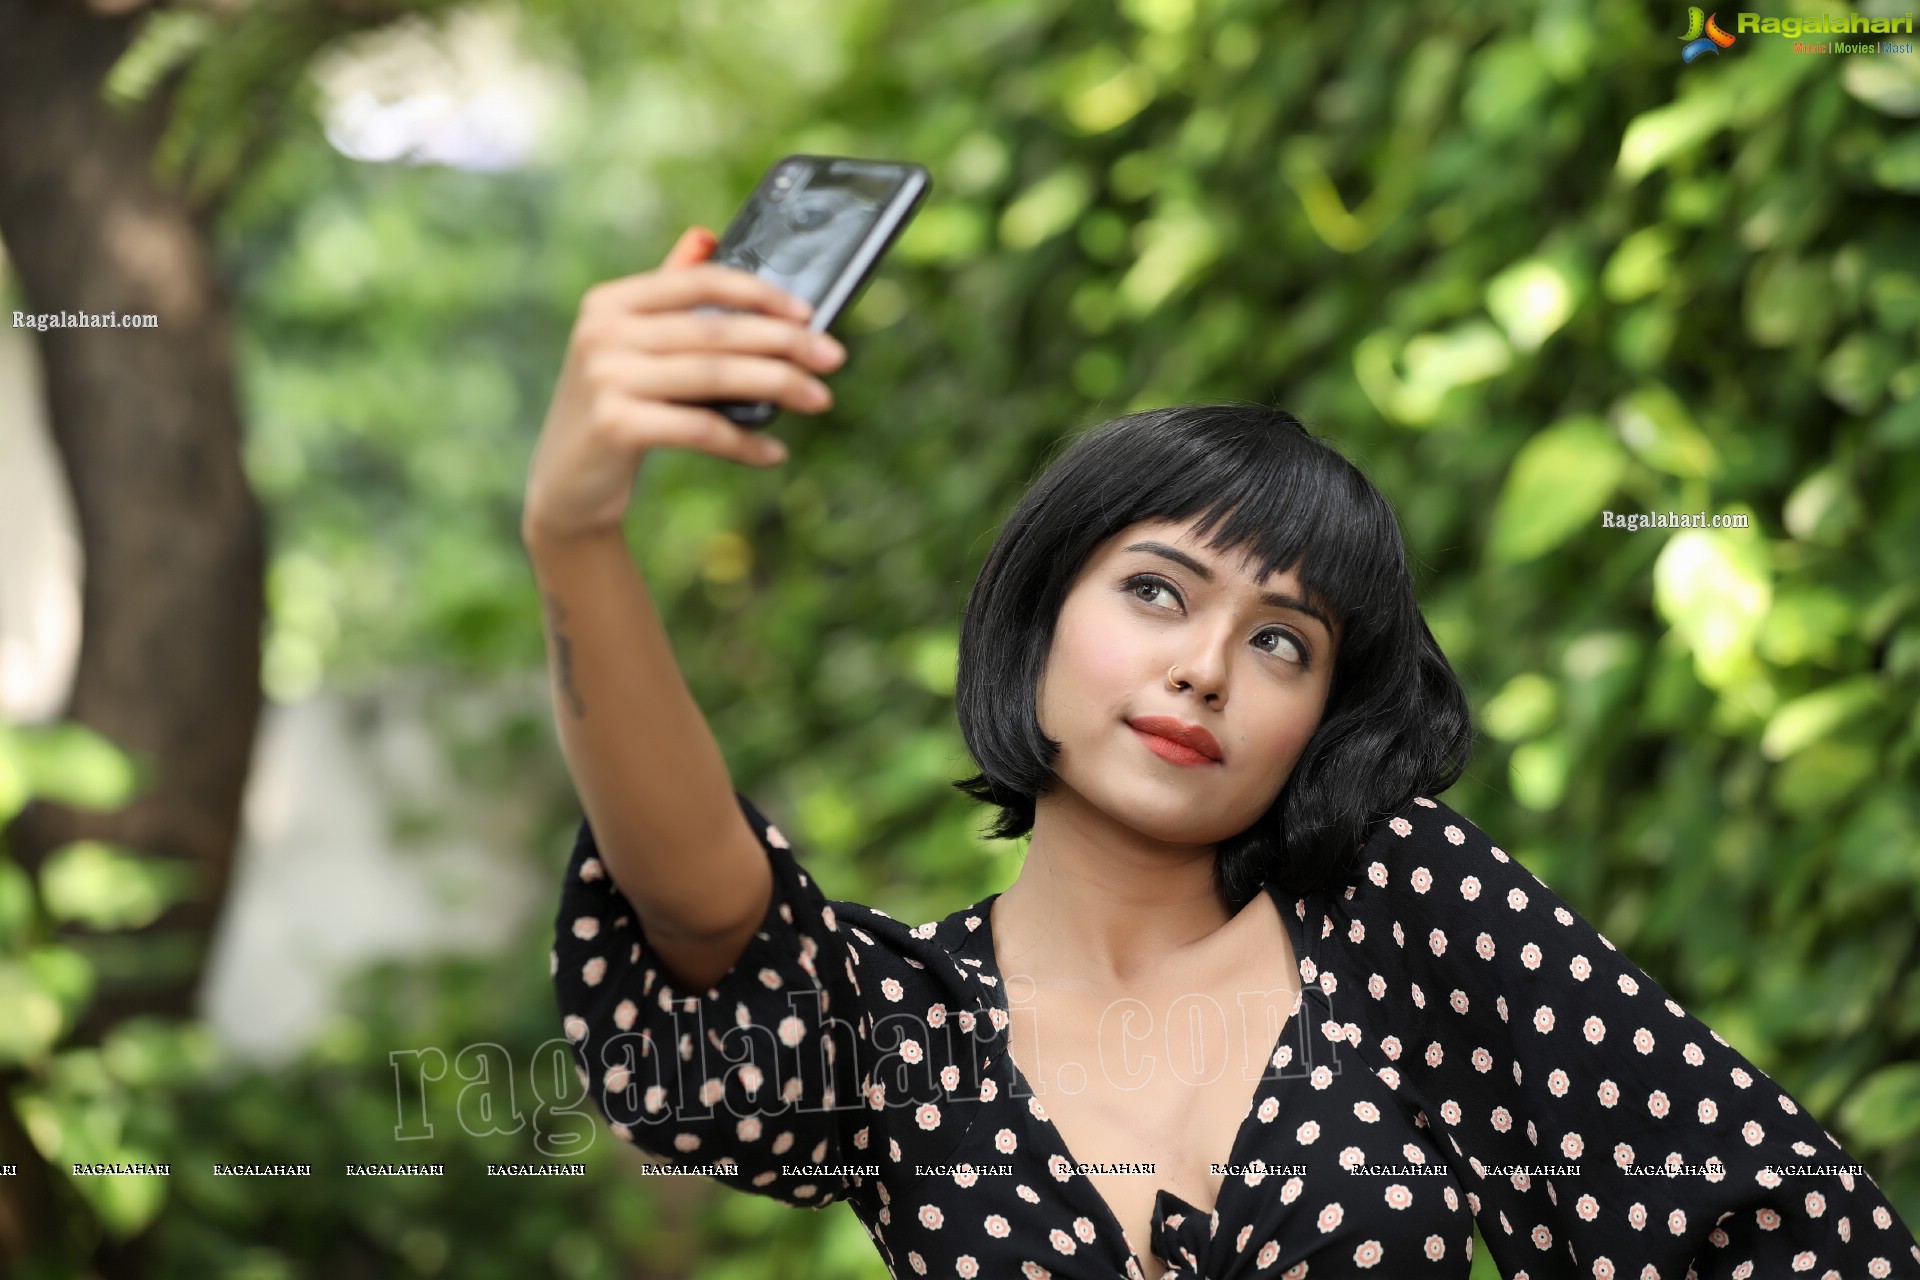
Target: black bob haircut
x: 1396, y: 723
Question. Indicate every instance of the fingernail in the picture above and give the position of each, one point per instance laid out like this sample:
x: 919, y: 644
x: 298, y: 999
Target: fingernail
x: 776, y: 451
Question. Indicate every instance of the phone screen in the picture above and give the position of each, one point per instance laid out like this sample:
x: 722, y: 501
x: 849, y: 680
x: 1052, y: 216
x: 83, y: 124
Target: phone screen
x: 803, y: 237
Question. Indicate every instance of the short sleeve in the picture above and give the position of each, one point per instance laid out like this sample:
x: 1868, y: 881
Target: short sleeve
x: 749, y: 1081
x: 1599, y: 1129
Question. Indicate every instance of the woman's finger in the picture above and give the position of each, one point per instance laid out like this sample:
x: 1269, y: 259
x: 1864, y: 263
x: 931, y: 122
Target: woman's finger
x: 650, y: 424
x: 695, y: 286
x: 742, y: 331
x: 712, y: 284
x: 695, y: 245
x: 698, y: 376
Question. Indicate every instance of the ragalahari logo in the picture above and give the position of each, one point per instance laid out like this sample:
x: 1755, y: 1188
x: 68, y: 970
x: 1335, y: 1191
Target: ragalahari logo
x: 1713, y: 41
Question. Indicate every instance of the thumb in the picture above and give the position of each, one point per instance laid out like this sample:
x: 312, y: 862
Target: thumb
x: 695, y: 245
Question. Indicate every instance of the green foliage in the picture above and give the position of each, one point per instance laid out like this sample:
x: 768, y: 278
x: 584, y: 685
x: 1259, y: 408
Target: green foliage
x: 73, y: 1102
x: 1523, y: 264
x: 455, y: 1062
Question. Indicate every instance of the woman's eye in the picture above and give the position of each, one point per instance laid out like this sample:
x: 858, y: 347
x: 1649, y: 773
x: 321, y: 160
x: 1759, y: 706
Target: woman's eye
x: 1154, y: 586
x: 1299, y: 651
x: 1148, y: 584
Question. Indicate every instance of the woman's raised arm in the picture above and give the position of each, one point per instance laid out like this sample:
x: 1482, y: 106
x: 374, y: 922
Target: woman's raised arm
x: 650, y: 776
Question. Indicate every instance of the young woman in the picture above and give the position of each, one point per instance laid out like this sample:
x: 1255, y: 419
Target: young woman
x: 1256, y: 1004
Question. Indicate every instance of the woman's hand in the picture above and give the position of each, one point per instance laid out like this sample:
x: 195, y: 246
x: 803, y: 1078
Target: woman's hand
x: 640, y: 358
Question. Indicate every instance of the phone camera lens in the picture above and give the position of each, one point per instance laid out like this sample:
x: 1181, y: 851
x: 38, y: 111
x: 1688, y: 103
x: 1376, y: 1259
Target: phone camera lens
x: 783, y: 180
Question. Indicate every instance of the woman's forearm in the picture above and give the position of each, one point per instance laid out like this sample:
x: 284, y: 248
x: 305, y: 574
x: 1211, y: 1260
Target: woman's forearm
x: 649, y: 773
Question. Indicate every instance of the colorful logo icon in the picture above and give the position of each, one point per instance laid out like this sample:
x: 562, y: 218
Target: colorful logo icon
x: 1713, y: 41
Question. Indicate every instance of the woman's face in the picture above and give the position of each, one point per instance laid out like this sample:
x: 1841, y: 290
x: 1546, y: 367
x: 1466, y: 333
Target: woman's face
x: 1252, y: 672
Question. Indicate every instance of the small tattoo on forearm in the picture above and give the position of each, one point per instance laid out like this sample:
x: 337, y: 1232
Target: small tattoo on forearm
x: 563, y: 656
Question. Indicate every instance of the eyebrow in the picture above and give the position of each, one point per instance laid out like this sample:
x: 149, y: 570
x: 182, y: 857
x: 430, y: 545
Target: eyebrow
x: 1276, y: 598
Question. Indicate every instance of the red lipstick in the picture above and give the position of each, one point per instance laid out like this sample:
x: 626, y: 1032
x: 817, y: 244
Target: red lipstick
x: 1186, y: 743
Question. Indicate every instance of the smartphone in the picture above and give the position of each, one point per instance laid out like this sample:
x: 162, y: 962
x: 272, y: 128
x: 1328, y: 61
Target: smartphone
x: 817, y: 226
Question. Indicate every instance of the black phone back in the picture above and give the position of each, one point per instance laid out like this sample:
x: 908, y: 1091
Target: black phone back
x: 817, y: 226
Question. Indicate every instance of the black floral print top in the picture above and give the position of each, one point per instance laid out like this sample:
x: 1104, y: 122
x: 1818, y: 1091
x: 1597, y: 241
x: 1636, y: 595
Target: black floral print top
x: 1466, y: 1045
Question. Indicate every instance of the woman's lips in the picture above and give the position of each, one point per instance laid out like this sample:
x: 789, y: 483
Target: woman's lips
x: 1168, y: 749
x: 1192, y: 736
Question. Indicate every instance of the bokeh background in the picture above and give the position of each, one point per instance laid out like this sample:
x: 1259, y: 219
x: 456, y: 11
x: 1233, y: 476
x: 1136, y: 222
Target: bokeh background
x: 284, y: 811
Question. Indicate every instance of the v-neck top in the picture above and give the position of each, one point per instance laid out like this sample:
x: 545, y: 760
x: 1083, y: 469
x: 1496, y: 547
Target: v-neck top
x: 1466, y: 1049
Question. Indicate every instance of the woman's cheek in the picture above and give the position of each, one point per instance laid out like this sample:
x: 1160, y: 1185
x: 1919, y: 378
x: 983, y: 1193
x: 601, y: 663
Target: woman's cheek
x: 1108, y: 663
x: 1290, y: 739
x: 1099, y: 655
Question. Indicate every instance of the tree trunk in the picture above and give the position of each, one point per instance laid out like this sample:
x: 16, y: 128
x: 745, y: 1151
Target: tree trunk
x: 147, y: 425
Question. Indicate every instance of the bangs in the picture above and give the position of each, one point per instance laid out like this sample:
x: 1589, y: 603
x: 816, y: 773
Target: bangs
x: 1275, y: 500
x: 1277, y: 518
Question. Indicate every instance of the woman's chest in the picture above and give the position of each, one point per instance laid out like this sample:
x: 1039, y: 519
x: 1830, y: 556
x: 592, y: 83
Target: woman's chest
x: 1151, y: 1092
x: 1094, y: 1117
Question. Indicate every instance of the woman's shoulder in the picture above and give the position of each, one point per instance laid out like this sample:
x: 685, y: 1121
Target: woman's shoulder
x: 944, y: 958
x: 1429, y: 863
x: 894, y: 964
x: 874, y: 936
x: 874, y: 928
x: 1430, y: 835
x: 1446, y: 894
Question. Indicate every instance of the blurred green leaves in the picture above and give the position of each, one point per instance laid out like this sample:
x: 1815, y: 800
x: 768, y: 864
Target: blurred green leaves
x: 1101, y: 90
x: 1640, y: 265
x: 64, y: 763
x: 1658, y: 428
x: 1559, y: 482
x: 44, y: 985
x: 1815, y: 716
x: 1048, y: 207
x: 106, y: 887
x: 1431, y: 366
x: 1176, y: 246
x: 1886, y: 1107
x: 1532, y: 299
x: 1525, y: 706
x: 1715, y: 586
x: 30, y: 1014
x: 76, y: 1103
x: 81, y: 1115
